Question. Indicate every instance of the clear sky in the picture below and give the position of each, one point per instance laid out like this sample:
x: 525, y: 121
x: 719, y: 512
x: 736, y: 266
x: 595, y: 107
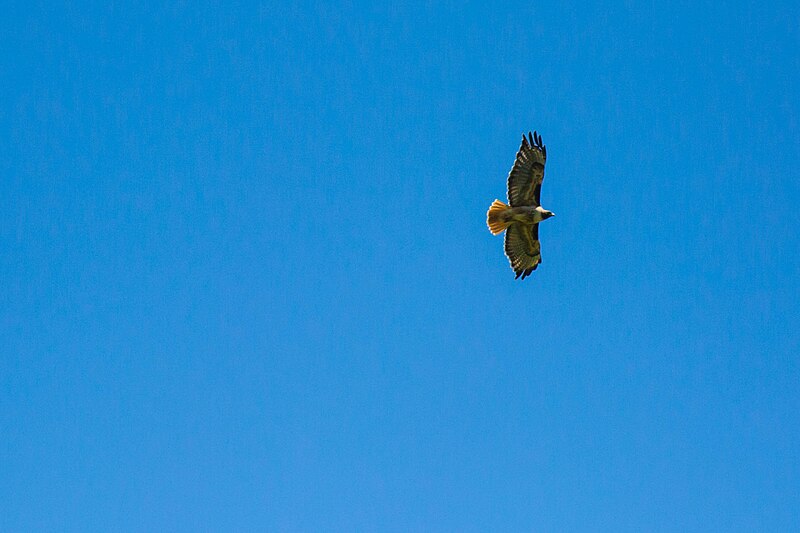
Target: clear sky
x: 246, y: 281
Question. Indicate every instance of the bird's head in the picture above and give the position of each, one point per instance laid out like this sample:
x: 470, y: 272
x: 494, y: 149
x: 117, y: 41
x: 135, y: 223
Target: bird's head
x: 547, y: 214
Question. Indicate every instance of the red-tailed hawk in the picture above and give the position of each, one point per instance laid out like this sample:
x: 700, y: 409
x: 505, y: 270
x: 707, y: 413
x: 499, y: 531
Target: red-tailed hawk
x: 520, y: 220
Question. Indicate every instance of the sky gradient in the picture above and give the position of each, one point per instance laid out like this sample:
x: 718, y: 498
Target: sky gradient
x: 247, y: 282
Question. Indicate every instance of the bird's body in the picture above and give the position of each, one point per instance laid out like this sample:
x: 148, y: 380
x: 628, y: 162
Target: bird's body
x: 520, y: 220
x: 527, y: 214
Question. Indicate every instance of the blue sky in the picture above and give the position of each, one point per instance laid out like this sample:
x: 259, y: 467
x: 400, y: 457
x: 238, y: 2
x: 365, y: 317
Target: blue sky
x: 247, y: 282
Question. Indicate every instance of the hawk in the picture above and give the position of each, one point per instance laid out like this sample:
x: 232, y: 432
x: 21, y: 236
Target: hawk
x: 520, y: 220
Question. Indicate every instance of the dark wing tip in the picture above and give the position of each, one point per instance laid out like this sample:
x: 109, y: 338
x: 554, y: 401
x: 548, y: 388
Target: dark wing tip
x: 519, y: 273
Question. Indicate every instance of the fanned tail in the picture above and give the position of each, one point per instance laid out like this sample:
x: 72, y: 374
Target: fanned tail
x: 495, y: 219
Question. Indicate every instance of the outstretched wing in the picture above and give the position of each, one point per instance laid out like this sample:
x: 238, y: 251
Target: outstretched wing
x: 522, y: 248
x: 525, y: 178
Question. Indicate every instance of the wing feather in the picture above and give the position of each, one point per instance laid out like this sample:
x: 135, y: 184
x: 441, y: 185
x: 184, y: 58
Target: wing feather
x: 525, y: 178
x: 522, y: 248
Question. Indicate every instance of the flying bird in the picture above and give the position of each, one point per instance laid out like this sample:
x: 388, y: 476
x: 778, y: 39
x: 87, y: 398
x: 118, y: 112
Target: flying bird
x: 520, y: 220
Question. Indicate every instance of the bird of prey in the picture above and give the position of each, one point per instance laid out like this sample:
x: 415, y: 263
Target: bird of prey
x: 520, y: 220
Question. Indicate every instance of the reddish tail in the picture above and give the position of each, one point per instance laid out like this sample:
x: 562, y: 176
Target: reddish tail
x: 495, y: 219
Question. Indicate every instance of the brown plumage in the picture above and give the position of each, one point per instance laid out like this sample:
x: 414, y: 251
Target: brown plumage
x: 520, y: 220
